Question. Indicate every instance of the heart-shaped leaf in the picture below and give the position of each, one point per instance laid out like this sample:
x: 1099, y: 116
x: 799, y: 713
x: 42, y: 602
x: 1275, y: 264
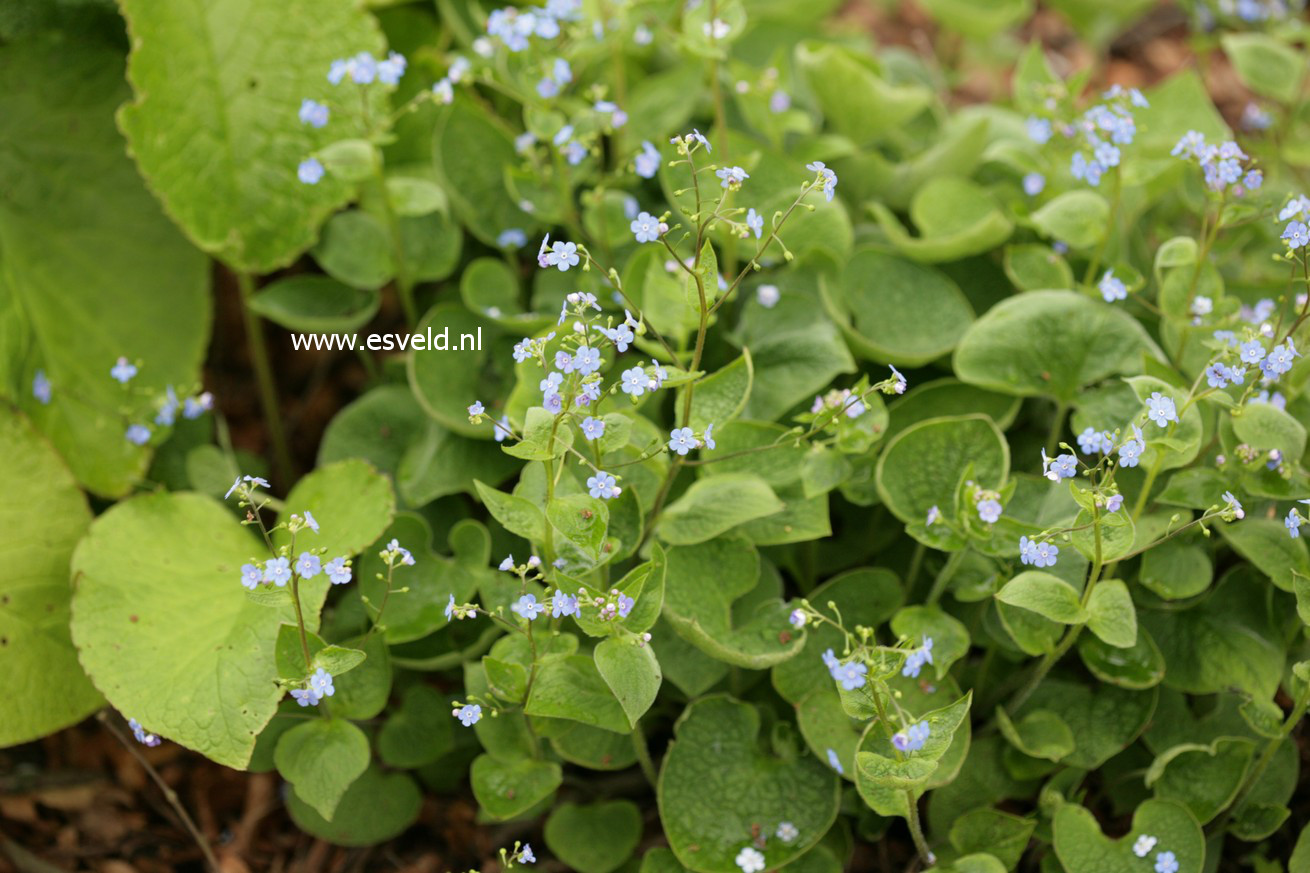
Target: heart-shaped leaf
x: 1082, y: 848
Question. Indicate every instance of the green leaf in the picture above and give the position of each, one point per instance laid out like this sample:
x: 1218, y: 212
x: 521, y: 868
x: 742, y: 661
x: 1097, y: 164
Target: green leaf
x: 721, y: 396
x: 412, y: 197
x: 708, y: 820
x: 231, y: 107
x: 892, y: 310
x: 949, y: 635
x: 1266, y: 64
x: 883, y: 768
x: 377, y: 807
x: 321, y: 758
x: 631, y: 672
x: 41, y: 520
x: 515, y: 514
x: 507, y: 789
x: 923, y: 465
x: 338, y: 659
x: 1205, y: 779
x: 1176, y: 570
x: 717, y: 599
x: 315, y: 304
x: 473, y: 178
x: 595, y: 838
x: 1301, y: 587
x: 1265, y: 426
x: 1047, y: 595
x: 1081, y: 847
x: 1000, y: 834
x: 1139, y: 667
x: 1112, y: 616
x: 581, y: 520
x: 194, y: 662
x: 1050, y: 343
x: 351, y: 502
x: 1039, y: 734
x: 1265, y: 543
x: 1104, y: 719
x: 955, y: 218
x: 949, y: 397
x: 571, y: 687
x: 544, y: 437
x: 854, y: 95
x: 445, y: 382
x: 417, y: 732
x: 356, y: 249
x: 715, y: 505
x: 1035, y: 267
x: 1078, y: 218
x: 92, y: 268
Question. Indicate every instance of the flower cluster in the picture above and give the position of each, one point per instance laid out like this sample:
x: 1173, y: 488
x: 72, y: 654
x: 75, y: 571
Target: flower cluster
x: 515, y: 27
x: 166, y: 407
x: 362, y: 69
x: 1097, y: 135
x: 1038, y: 554
x: 1225, y: 166
x: 849, y: 674
x: 917, y: 658
x: 912, y: 738
x: 1165, y: 861
x: 318, y: 686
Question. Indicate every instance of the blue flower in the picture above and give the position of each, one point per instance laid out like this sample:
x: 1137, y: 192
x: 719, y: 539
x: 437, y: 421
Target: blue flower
x: 1252, y: 352
x: 305, y: 697
x: 1113, y: 502
x: 321, y: 683
x: 41, y: 387
x: 603, y: 486
x: 1253, y: 179
x: 1037, y: 554
x: 469, y: 714
x: 168, y: 409
x: 1161, y: 409
x: 444, y: 91
x: 361, y: 69
x: 251, y: 575
x: 625, y: 604
x: 310, y: 171
x: 851, y: 675
x: 731, y: 177
x: 1166, y: 862
x: 1233, y: 505
x: 916, y: 659
x: 313, y: 113
x: 621, y: 336
x: 645, y: 227
x: 476, y: 408
x: 308, y: 565
x: 406, y: 559
x: 563, y: 255
x: 1092, y: 441
x: 797, y: 618
x: 934, y: 515
x: 709, y: 436
x: 1131, y: 451
x: 1293, y: 523
x: 1111, y: 289
x: 338, y: 571
x: 593, y: 428
x: 143, y: 737
x: 138, y: 434
x: 1061, y: 467
x: 634, y: 382
x: 1189, y: 146
x: 989, y: 510
x: 1296, y: 235
x: 768, y: 296
x: 587, y: 359
x: 450, y: 608
x: 562, y: 604
x: 912, y: 738
x: 1039, y: 129
x: 1281, y: 357
x: 835, y: 762
x: 277, y: 571
x: 826, y: 176
x: 830, y: 660
x: 1089, y: 171
x: 528, y: 607
x: 123, y: 371
x: 647, y: 163
x: 1033, y: 183
x: 682, y: 441
x: 755, y: 222
x: 526, y: 856
x: 512, y: 238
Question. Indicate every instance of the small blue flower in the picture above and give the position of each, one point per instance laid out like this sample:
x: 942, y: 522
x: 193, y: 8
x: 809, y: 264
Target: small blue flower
x: 277, y: 571
x: 621, y: 336
x: 168, y: 409
x: 835, y: 763
x: 1111, y: 289
x: 634, y: 382
x: 1252, y: 352
x: 1033, y: 183
x: 989, y: 510
x: 305, y: 697
x: 851, y: 675
x: 562, y: 604
x: 682, y: 441
x: 1234, y: 505
x: 1166, y: 862
x: 603, y: 486
x: 338, y: 571
x: 1293, y: 523
x: 912, y: 738
x: 501, y: 428
x: 313, y: 113
x: 449, y: 611
x: 1060, y: 467
x: 593, y: 428
x: 645, y: 227
x: 512, y: 238
x: 755, y: 222
x: 826, y: 175
x: 528, y: 607
x: 123, y: 370
x: 1296, y: 235
x: 563, y: 255
x: 143, y: 736
x: 797, y: 618
x: 41, y: 387
x: 310, y: 171
x: 469, y: 714
x: 731, y: 177
x: 476, y: 408
x: 251, y: 575
x: 507, y: 565
x: 138, y: 434
x: 1037, y: 554
x: 1131, y: 451
x: 768, y: 296
x: 934, y: 515
x: 321, y: 683
x: 709, y: 436
x: 1161, y: 409
x: 308, y: 565
x: 390, y: 70
x: 526, y: 856
x: 1114, y: 502
x: 1091, y: 441
x: 587, y: 360
x: 625, y: 604
x: 916, y: 659
x: 647, y: 163
x: 1039, y: 130
x: 1281, y: 357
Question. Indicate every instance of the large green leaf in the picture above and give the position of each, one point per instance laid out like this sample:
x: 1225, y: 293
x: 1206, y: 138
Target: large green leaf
x: 595, y: 838
x: 1104, y: 719
x: 378, y: 806
x: 1082, y: 848
x: 321, y: 758
x: 230, y: 109
x: 717, y: 784
x: 41, y: 520
x: 955, y: 218
x: 715, y: 505
x: 1050, y: 343
x: 922, y: 467
x: 165, y: 630
x: 90, y: 268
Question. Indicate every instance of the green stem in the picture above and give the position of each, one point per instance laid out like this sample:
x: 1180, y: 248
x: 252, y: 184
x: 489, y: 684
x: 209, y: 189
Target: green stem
x: 300, y: 621
x: 1147, y: 485
x: 643, y: 754
x: 404, y: 282
x: 916, y: 828
x: 1057, y: 427
x: 264, y: 377
x: 945, y: 575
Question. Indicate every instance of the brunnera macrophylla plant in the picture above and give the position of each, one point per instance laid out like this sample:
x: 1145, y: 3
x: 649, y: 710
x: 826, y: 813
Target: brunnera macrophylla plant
x: 847, y: 466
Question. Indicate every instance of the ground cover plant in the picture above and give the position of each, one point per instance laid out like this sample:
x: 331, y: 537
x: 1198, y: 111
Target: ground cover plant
x: 725, y: 439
